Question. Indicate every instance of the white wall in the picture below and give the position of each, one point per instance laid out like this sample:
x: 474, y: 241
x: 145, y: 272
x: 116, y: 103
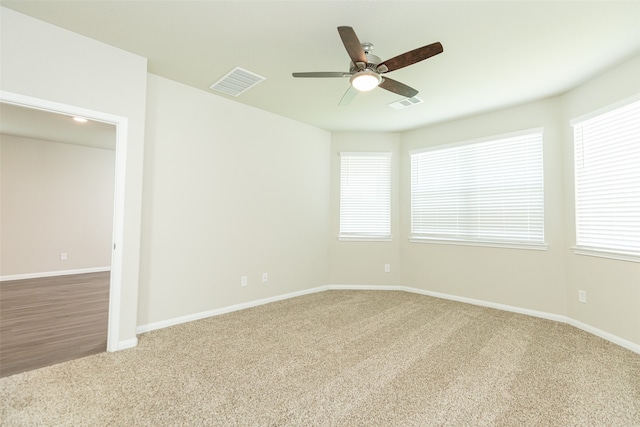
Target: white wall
x: 612, y: 286
x: 528, y: 279
x: 229, y: 191
x: 54, y: 198
x: 46, y: 62
x: 363, y: 262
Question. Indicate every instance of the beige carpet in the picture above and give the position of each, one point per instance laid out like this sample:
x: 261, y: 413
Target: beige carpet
x: 342, y: 358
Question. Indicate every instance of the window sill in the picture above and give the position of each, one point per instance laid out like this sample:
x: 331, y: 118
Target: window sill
x: 529, y: 246
x: 607, y: 253
x: 365, y: 239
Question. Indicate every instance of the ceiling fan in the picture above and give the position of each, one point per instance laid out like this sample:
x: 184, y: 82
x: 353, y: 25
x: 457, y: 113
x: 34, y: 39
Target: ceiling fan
x: 366, y: 71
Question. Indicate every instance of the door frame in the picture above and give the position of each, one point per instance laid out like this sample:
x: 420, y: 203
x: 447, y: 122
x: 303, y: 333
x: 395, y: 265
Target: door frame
x: 121, y: 124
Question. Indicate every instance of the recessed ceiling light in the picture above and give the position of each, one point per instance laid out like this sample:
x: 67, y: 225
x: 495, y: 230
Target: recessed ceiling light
x: 80, y: 119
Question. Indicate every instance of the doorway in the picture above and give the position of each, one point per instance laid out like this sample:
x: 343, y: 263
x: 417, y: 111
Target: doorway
x: 119, y: 125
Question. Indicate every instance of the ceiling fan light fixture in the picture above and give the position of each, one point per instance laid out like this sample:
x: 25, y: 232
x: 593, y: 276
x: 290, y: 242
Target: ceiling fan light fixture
x: 365, y: 80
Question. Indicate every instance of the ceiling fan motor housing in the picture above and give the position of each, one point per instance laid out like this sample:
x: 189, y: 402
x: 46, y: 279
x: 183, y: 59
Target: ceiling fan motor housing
x: 372, y: 63
x: 365, y: 77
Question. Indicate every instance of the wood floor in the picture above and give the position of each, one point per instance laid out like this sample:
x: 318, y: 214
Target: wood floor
x: 51, y: 320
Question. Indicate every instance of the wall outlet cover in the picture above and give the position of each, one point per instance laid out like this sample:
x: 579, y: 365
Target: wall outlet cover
x: 582, y: 296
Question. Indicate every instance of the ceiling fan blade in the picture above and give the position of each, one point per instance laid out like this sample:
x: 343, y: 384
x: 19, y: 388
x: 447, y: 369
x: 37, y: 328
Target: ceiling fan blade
x: 322, y: 74
x: 352, y: 44
x: 412, y: 56
x: 397, y: 87
x: 348, y: 96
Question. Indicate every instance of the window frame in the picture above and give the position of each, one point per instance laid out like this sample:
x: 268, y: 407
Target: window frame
x: 465, y: 241
x: 371, y: 236
x: 581, y: 249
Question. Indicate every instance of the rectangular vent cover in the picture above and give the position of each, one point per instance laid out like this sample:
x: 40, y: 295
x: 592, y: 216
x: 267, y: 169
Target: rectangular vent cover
x: 405, y: 103
x: 236, y: 82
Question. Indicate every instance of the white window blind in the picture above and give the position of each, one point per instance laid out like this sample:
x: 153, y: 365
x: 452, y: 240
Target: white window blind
x: 490, y: 191
x: 365, y: 195
x: 607, y: 180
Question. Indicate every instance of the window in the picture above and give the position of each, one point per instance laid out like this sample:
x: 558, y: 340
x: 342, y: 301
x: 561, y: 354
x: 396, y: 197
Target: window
x: 365, y: 196
x: 607, y: 182
x: 483, y: 192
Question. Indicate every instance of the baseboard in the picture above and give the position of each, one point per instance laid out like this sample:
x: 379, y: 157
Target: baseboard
x: 130, y: 343
x: 364, y: 288
x: 53, y: 273
x: 497, y: 306
x: 224, y: 310
x: 534, y: 313
x: 503, y: 307
x: 605, y: 335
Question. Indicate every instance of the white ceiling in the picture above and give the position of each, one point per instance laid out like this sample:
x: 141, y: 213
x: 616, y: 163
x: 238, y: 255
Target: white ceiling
x: 48, y: 126
x: 496, y: 53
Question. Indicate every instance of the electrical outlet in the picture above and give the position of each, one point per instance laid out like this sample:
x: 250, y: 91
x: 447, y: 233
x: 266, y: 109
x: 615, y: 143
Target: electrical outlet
x: 582, y: 296
x: 63, y: 256
x: 243, y: 281
x: 387, y: 268
x: 265, y: 277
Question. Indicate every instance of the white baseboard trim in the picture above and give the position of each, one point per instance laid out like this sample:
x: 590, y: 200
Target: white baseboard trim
x: 497, y: 306
x: 223, y: 310
x: 605, y: 335
x: 53, y: 273
x: 130, y: 343
x: 364, y: 288
x: 503, y: 307
x: 534, y: 313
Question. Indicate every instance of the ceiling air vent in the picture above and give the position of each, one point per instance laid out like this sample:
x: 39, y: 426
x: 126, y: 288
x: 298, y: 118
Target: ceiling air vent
x: 236, y: 82
x: 405, y: 103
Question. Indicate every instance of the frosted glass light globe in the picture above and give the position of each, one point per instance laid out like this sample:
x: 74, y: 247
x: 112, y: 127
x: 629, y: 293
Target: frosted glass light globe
x: 365, y: 80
